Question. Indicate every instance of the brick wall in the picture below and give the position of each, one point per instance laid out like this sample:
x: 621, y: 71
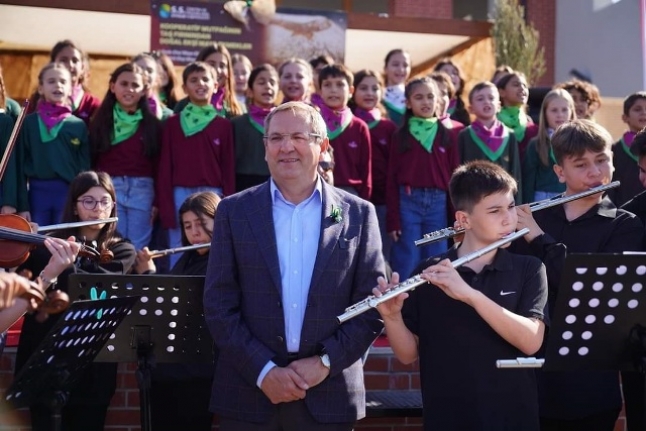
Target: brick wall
x: 542, y: 14
x: 423, y: 8
x: 382, y: 371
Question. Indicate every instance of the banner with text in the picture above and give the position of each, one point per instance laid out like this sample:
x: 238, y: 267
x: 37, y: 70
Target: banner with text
x: 182, y: 29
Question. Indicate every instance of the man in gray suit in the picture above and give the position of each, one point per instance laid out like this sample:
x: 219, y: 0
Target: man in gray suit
x: 287, y: 257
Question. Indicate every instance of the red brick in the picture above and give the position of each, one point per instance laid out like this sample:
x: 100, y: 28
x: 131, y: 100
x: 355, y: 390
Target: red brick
x: 424, y: 8
x: 397, y: 366
x: 399, y: 381
x: 132, y: 399
x: 123, y: 417
x: 118, y: 399
x: 376, y: 381
x: 542, y: 14
x: 377, y: 363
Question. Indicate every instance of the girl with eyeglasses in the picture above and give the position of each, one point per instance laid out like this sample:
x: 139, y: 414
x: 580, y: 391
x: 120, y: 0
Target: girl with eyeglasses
x: 91, y: 196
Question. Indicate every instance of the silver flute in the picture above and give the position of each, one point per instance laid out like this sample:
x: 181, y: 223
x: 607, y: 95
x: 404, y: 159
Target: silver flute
x: 410, y: 284
x: 449, y: 232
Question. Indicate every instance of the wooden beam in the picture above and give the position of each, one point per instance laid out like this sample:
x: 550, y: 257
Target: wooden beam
x: 135, y: 7
x: 358, y: 21
x: 427, y: 64
x: 454, y: 27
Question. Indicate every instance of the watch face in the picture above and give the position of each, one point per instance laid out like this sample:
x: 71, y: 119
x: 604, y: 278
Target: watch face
x: 326, y: 360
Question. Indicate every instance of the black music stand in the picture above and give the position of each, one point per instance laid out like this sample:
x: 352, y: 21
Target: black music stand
x: 600, y: 306
x: 599, y: 315
x: 66, y: 352
x: 167, y: 325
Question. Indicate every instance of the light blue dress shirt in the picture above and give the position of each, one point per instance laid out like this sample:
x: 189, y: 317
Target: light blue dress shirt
x: 297, y: 228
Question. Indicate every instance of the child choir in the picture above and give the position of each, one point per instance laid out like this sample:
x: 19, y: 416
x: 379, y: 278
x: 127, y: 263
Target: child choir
x: 396, y: 141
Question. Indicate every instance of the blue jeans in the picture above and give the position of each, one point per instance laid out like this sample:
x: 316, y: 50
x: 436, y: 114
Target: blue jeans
x: 134, y: 204
x: 47, y: 200
x: 179, y: 196
x: 422, y: 211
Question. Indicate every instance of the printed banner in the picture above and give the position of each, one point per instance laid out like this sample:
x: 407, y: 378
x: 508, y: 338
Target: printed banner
x: 181, y: 29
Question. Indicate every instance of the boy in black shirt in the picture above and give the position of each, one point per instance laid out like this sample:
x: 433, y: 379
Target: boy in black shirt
x: 637, y: 205
x: 489, y: 309
x: 576, y: 401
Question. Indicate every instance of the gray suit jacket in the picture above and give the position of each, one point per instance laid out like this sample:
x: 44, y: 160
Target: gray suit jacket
x: 243, y: 309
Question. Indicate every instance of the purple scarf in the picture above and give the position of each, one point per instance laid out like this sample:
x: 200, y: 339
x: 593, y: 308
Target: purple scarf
x: 629, y: 137
x: 257, y: 117
x: 217, y: 100
x: 336, y: 121
x: 52, y: 114
x: 493, y: 138
x: 316, y: 100
x: 371, y: 117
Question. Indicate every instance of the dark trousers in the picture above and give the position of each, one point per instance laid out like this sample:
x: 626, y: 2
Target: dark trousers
x: 292, y: 416
x: 604, y: 421
x: 77, y: 417
x: 632, y: 385
x: 181, y: 405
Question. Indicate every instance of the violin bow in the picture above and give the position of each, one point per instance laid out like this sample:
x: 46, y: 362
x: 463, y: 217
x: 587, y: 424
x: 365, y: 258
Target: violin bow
x: 12, y: 139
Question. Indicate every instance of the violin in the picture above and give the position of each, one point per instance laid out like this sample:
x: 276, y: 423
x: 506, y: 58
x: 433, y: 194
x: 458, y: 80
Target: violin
x: 46, y: 303
x: 17, y: 240
x: 14, y: 286
x: 16, y: 237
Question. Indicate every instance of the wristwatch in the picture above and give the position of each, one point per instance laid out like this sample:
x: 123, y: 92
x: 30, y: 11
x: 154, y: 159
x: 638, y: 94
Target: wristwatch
x: 325, y: 360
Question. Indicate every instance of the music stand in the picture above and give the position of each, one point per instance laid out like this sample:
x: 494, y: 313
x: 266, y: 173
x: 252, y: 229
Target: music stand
x: 66, y: 352
x: 599, y: 307
x: 166, y: 325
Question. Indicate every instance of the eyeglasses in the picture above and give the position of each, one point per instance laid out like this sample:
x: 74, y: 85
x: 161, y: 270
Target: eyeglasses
x: 298, y: 139
x: 326, y: 165
x: 90, y: 204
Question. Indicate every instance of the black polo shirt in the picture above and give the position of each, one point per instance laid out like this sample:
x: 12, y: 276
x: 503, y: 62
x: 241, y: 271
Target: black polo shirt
x: 461, y: 387
x: 603, y: 229
x: 637, y: 206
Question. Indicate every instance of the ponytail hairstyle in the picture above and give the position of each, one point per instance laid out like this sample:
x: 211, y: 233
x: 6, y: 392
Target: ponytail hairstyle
x: 265, y: 67
x: 360, y: 76
x: 448, y: 62
x: 203, y: 204
x: 102, y: 124
x: 60, y: 46
x: 231, y: 104
x: 171, y: 89
x: 387, y: 59
x: 403, y: 133
x: 543, y: 142
x: 35, y: 97
x: 504, y: 80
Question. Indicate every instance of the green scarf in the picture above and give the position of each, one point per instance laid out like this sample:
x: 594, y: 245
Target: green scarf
x: 195, y: 118
x: 514, y: 118
x: 423, y: 130
x: 627, y: 150
x: 492, y: 155
x: 51, y: 134
x: 125, y: 125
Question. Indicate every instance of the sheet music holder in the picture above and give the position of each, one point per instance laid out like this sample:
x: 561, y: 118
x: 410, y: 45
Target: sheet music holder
x: 66, y: 352
x: 600, y: 304
x: 166, y: 325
